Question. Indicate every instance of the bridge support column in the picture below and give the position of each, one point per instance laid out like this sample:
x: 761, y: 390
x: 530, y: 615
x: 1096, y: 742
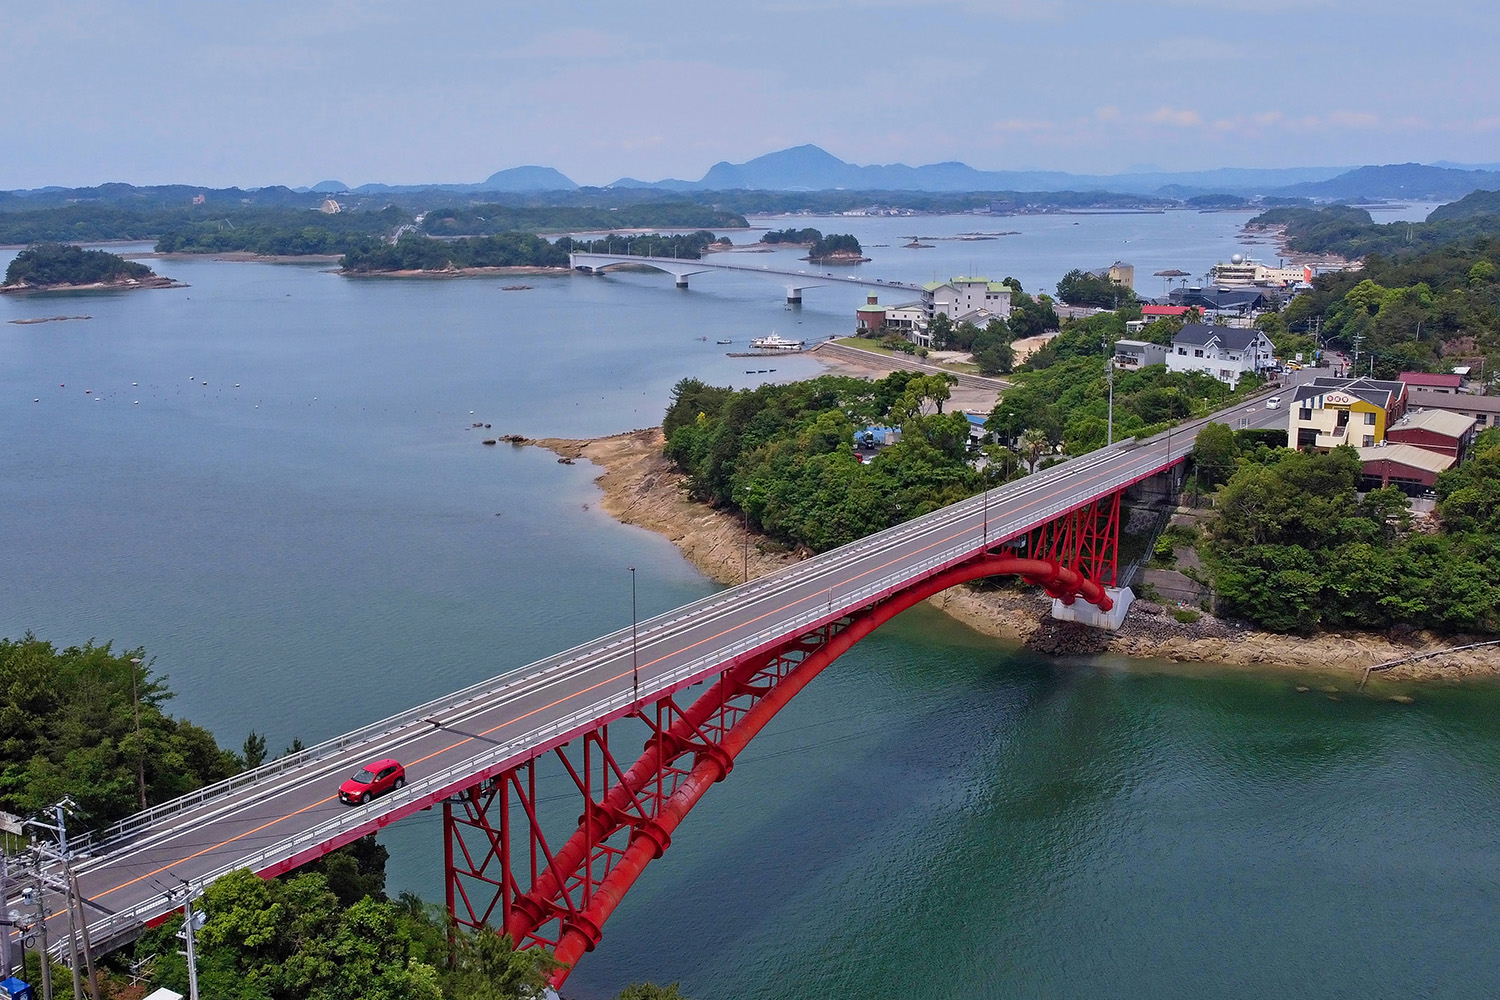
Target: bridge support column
x: 681, y: 280
x: 794, y: 296
x: 1088, y: 614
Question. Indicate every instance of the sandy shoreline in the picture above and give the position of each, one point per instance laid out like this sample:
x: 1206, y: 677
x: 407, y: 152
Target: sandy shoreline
x: 642, y: 488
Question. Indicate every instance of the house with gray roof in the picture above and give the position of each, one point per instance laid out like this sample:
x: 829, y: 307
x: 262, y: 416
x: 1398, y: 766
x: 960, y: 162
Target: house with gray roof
x: 1224, y: 352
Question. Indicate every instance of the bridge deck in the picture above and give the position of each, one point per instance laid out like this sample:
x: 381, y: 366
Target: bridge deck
x: 287, y: 812
x: 795, y: 277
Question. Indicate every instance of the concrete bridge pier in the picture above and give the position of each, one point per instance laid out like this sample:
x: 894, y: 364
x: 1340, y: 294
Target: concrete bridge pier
x: 1087, y: 614
x: 793, y: 296
x: 680, y: 280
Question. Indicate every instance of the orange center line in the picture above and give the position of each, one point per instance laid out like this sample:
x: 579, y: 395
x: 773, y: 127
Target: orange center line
x: 593, y: 687
x: 215, y: 847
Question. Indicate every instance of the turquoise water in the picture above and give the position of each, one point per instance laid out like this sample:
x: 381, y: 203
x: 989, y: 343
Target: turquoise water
x: 328, y: 542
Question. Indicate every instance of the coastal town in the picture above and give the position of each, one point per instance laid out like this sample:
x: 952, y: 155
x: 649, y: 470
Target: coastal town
x: 661, y: 502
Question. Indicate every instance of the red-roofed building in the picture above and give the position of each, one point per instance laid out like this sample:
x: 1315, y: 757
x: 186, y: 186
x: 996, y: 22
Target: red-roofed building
x: 1150, y: 313
x: 1427, y: 380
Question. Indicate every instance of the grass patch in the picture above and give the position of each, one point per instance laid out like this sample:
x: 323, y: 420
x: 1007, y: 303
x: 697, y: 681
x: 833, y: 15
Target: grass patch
x: 1186, y: 615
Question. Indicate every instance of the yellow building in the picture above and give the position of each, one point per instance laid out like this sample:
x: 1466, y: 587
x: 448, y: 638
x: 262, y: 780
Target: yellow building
x: 1328, y: 412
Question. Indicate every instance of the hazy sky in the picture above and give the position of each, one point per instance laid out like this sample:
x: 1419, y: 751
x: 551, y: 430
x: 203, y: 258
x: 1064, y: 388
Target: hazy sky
x: 218, y: 92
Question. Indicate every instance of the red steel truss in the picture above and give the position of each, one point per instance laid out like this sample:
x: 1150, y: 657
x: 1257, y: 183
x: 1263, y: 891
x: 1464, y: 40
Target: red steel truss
x: 556, y: 890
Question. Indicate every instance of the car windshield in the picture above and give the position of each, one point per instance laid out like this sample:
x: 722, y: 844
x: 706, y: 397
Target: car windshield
x: 363, y: 775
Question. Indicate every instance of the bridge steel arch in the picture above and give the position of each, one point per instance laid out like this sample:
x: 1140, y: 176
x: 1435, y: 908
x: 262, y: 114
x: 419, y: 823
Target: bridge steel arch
x: 504, y: 873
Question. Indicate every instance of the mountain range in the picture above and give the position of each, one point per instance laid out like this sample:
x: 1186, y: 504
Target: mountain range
x: 811, y: 168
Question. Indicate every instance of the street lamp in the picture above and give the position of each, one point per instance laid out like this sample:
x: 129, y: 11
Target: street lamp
x: 1110, y: 369
x: 135, y: 698
x: 635, y: 663
x: 745, y: 511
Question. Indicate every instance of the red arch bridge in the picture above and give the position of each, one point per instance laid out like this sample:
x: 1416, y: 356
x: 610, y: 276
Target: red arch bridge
x: 704, y: 679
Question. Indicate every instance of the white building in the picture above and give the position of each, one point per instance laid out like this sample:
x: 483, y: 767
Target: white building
x: 1132, y: 355
x: 962, y: 296
x: 1242, y: 272
x: 1224, y: 352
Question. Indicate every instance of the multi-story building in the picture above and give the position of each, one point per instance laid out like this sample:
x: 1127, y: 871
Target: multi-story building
x: 1242, y: 272
x: 1328, y: 412
x: 1224, y: 352
x: 960, y: 297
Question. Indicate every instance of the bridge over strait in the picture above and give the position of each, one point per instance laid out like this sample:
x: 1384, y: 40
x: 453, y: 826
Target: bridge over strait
x: 794, y: 280
x: 703, y: 679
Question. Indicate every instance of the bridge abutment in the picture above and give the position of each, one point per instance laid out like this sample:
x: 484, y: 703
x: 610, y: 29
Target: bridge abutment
x: 1087, y: 614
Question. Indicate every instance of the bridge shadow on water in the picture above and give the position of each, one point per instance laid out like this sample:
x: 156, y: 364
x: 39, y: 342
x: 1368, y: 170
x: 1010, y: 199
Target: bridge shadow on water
x: 888, y: 748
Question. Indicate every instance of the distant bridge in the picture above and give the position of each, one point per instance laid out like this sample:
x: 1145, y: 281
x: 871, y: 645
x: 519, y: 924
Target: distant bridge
x: 793, y: 280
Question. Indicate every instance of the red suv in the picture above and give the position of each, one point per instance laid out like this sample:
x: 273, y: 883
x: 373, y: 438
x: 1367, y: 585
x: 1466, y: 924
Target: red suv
x: 375, y: 778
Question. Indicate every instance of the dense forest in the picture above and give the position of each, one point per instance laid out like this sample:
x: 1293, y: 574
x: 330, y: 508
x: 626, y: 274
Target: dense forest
x: 414, y: 252
x: 287, y: 230
x: 1292, y: 548
x: 1407, y: 311
x: 67, y: 728
x: 834, y: 245
x: 486, y: 220
x: 1080, y: 288
x: 208, y: 228
x: 784, y: 453
x: 49, y: 265
x: 1352, y: 233
x: 805, y: 237
x: 321, y: 935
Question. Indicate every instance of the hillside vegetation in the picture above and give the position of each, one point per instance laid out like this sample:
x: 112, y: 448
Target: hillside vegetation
x: 1293, y: 549
x: 484, y: 220
x: 52, y: 265
x: 1352, y: 233
x: 67, y: 728
x: 1411, y: 311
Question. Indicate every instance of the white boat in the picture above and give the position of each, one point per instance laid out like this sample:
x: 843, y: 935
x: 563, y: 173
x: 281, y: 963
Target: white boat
x: 775, y: 343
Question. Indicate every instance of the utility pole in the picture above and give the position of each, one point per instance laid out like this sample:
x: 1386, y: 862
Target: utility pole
x: 60, y: 811
x: 188, y: 930
x: 83, y: 928
x: 41, y: 925
x: 140, y: 759
x: 73, y: 949
x: 745, y: 510
x: 7, y: 960
x: 1110, y: 367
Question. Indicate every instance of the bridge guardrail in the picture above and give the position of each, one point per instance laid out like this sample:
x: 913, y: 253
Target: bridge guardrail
x: 517, y: 746
x: 130, y: 825
x: 489, y: 687
x: 486, y: 762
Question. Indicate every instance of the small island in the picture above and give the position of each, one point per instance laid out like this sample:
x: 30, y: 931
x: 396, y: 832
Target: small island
x: 48, y: 267
x: 830, y: 249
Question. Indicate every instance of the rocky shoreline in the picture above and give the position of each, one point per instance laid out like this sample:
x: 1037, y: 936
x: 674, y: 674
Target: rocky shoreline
x: 641, y: 487
x: 155, y: 281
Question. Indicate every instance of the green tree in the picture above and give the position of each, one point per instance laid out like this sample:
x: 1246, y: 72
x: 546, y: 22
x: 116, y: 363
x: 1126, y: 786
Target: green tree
x: 1214, y: 453
x: 651, y: 991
